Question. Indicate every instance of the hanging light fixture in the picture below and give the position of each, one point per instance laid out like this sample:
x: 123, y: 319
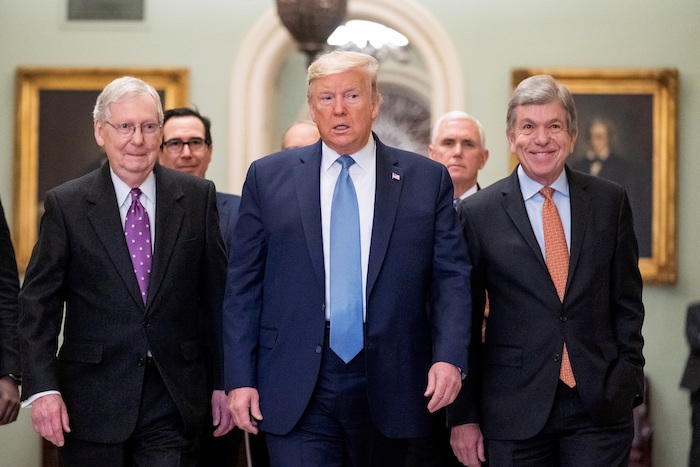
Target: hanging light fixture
x: 310, y: 22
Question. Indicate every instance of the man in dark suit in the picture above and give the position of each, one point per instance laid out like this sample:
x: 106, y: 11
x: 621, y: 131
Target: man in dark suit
x: 458, y: 142
x: 187, y: 147
x: 128, y: 386
x: 691, y: 378
x: 560, y: 369
x: 324, y: 394
x: 9, y: 346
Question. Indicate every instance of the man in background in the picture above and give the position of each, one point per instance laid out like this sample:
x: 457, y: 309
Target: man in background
x: 10, y: 375
x: 301, y: 133
x: 691, y: 379
x: 339, y: 246
x: 555, y: 380
x: 458, y: 143
x: 131, y: 260
x: 187, y: 147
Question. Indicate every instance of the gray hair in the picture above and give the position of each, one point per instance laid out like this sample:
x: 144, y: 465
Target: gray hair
x: 121, y: 89
x: 542, y: 90
x: 458, y: 115
x: 340, y: 61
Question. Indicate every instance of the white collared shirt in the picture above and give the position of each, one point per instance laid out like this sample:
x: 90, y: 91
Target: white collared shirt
x: 364, y: 175
x: 534, y: 202
x: 147, y: 198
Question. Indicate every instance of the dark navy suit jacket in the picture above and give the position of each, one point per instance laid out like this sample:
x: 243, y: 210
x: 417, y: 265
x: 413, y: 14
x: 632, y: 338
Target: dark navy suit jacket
x: 274, y: 316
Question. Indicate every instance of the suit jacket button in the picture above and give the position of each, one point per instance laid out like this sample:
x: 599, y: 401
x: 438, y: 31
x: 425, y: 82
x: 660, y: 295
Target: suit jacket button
x: 563, y: 319
x: 557, y: 357
x: 318, y: 349
x: 146, y: 324
x: 141, y: 361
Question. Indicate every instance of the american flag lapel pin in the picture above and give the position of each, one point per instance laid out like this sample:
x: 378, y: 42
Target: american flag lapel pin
x: 395, y: 176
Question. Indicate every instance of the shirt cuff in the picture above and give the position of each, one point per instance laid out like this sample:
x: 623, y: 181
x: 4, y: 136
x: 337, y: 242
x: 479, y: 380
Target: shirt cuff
x: 28, y: 403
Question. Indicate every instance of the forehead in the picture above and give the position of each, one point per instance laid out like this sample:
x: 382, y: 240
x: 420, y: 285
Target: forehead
x: 188, y: 125
x: 541, y: 113
x: 353, y: 79
x: 134, y: 107
x: 460, y: 128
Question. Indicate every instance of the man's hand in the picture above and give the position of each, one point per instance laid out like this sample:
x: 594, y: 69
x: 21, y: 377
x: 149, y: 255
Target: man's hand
x: 9, y: 400
x: 220, y: 413
x: 244, y: 404
x: 468, y: 444
x: 50, y: 418
x: 444, y: 383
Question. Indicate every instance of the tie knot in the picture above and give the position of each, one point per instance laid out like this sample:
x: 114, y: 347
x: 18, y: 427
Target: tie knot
x: 135, y: 194
x: 547, y: 192
x: 345, y: 161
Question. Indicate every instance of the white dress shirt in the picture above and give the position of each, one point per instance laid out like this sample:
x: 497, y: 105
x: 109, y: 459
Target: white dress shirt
x: 364, y: 175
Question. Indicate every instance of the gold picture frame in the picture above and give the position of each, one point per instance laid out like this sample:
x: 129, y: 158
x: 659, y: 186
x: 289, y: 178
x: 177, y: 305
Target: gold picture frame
x: 636, y: 112
x: 53, y: 111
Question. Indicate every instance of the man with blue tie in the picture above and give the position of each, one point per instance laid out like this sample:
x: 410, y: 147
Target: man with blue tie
x: 329, y: 347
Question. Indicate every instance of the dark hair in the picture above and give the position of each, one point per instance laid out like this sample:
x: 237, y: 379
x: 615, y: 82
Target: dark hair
x: 187, y: 112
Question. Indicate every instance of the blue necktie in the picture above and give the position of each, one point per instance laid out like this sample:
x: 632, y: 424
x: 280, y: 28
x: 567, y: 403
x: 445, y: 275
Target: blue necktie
x: 346, y: 338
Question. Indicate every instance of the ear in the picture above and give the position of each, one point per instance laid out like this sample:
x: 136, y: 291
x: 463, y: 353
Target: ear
x: 431, y: 152
x: 484, y: 158
x: 98, y: 129
x: 376, y: 104
x: 511, y: 141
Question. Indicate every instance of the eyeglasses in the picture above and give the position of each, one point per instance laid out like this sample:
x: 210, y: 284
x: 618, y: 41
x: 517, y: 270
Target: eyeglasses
x: 196, y: 145
x: 128, y: 129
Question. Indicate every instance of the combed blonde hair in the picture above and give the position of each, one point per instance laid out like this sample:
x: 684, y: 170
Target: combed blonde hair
x: 340, y: 61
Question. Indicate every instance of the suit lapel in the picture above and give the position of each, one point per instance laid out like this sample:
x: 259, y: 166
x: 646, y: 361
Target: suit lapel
x: 105, y: 219
x: 515, y: 207
x: 307, y: 180
x: 390, y: 180
x: 580, y: 210
x: 169, y: 218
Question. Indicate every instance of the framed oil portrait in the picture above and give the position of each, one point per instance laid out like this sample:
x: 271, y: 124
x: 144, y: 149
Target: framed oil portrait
x: 54, y: 140
x: 627, y: 134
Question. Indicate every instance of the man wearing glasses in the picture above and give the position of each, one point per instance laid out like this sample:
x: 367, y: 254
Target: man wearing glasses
x: 133, y: 253
x: 187, y: 147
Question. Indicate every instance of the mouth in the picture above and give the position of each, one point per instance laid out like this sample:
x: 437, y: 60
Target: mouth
x: 341, y: 127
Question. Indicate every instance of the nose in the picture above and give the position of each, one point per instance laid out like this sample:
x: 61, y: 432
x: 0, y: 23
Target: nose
x: 339, y: 107
x: 541, y: 135
x: 186, y: 150
x: 137, y: 137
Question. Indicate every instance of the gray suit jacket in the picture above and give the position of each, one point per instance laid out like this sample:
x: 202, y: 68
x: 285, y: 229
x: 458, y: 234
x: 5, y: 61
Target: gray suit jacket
x: 81, y: 261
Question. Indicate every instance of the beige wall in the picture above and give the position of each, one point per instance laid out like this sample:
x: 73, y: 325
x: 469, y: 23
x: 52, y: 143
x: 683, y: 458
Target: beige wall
x: 491, y: 38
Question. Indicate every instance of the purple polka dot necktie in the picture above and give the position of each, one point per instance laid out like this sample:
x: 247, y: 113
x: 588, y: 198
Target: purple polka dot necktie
x: 137, y: 231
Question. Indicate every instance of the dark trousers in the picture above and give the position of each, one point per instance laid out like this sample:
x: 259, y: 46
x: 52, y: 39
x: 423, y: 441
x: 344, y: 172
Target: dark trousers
x: 433, y: 450
x: 336, y: 430
x: 568, y: 439
x: 694, y: 458
x: 157, y: 440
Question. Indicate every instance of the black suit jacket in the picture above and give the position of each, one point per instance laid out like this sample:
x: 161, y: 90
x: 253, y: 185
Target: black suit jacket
x: 691, y: 375
x: 510, y: 389
x: 9, y: 288
x: 274, y: 315
x: 81, y: 261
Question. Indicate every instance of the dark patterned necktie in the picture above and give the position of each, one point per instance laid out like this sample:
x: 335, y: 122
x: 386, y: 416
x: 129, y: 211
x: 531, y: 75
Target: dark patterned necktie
x: 137, y: 231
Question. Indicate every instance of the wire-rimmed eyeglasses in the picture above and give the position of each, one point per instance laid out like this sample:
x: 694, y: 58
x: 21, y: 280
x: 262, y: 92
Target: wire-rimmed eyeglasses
x: 128, y: 129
